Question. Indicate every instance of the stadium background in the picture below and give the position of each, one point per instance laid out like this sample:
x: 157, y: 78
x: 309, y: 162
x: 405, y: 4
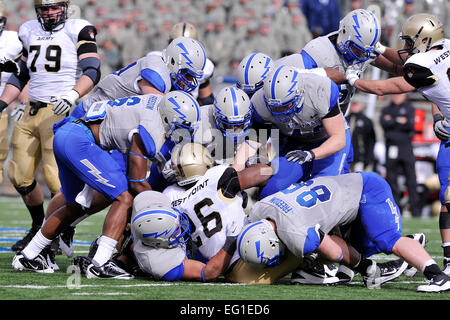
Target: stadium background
x: 231, y: 29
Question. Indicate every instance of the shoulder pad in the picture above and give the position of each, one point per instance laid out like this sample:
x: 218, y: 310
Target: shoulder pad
x: 419, y: 76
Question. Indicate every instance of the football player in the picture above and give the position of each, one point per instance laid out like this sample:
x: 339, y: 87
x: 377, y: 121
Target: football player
x: 203, y: 93
x: 61, y: 64
x: 304, y: 107
x: 10, y: 52
x: 225, y: 124
x: 134, y: 126
x: 426, y: 70
x: 300, y: 217
x: 356, y: 43
x: 211, y: 198
x: 179, y: 68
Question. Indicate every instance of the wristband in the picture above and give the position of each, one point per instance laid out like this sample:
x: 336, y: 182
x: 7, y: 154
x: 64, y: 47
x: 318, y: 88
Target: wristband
x: 3, y: 105
x: 140, y: 155
x: 230, y: 245
x: 136, y: 180
x: 203, y: 274
x: 437, y: 117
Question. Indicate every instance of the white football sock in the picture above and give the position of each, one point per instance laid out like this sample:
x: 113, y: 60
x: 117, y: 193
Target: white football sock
x: 36, y: 245
x: 105, y: 249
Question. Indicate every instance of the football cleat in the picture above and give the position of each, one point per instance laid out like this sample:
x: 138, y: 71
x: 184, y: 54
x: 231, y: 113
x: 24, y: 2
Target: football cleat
x: 82, y: 263
x: 66, y: 241
x: 21, y: 244
x: 93, y: 248
x: 375, y: 275
x: 439, y: 283
x: 318, y: 274
x: 38, y: 264
x: 447, y: 267
x: 344, y: 274
x: 107, y: 271
x: 49, y: 255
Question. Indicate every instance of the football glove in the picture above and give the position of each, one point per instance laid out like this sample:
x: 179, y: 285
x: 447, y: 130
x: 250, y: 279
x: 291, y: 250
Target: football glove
x: 168, y: 173
x: 379, y: 48
x: 352, y: 74
x: 440, y: 125
x: 9, y: 65
x: 63, y: 104
x: 300, y: 156
x: 18, y: 111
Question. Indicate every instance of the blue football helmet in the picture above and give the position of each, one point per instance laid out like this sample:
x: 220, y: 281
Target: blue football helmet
x: 233, y: 113
x: 359, y: 32
x: 186, y: 58
x: 282, y: 95
x: 259, y: 245
x: 156, y: 223
x: 180, y: 115
x: 252, y: 71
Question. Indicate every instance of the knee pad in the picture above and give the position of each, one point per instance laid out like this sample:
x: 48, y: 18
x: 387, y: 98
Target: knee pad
x: 19, y: 178
x: 26, y: 190
x: 444, y: 218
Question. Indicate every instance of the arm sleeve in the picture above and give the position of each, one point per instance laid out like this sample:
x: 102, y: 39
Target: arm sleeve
x: 229, y: 183
x: 86, y: 40
x: 418, y: 76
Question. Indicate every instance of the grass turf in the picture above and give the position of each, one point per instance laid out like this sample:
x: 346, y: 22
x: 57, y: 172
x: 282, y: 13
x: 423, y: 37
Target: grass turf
x: 14, y: 285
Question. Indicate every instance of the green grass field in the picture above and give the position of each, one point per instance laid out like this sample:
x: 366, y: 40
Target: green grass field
x: 14, y: 285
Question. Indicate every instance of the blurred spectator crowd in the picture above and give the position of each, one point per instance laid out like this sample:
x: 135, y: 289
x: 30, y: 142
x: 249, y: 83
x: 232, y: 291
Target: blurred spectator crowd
x: 229, y: 29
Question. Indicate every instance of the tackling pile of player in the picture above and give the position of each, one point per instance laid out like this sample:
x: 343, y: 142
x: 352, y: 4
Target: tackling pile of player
x: 175, y: 163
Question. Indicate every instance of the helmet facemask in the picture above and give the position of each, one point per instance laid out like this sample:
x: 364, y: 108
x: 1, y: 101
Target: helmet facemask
x: 2, y: 24
x: 285, y: 111
x: 185, y: 79
x: 353, y: 53
x: 180, y: 131
x: 234, y: 129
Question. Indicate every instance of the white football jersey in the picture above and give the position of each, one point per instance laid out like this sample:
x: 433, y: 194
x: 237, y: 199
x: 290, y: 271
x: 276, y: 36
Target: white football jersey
x: 324, y: 55
x: 124, y: 82
x: 438, y: 64
x: 306, y: 126
x: 124, y: 117
x: 208, y: 71
x: 323, y: 202
x: 10, y: 48
x: 212, y: 215
x: 52, y: 58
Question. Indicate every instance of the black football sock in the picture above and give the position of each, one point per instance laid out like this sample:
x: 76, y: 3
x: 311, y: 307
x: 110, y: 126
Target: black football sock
x: 37, y: 214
